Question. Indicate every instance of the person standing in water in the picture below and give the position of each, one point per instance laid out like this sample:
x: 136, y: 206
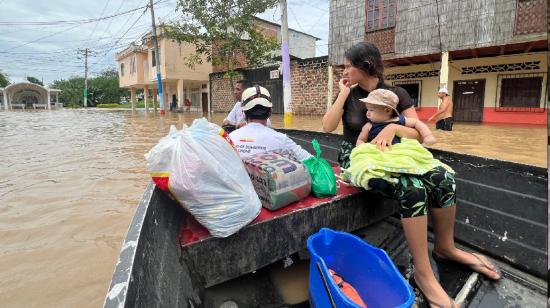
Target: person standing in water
x: 444, y: 114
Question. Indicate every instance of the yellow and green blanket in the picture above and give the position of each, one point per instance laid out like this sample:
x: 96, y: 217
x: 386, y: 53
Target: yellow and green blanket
x: 407, y: 157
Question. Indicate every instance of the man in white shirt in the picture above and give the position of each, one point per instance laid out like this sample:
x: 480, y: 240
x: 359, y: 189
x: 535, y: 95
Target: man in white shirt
x: 256, y: 137
x: 236, y: 116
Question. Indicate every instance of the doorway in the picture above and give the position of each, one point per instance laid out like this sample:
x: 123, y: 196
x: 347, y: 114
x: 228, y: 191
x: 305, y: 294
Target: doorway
x: 204, y: 101
x: 468, y: 98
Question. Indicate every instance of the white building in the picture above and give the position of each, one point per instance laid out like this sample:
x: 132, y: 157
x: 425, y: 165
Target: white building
x: 26, y: 95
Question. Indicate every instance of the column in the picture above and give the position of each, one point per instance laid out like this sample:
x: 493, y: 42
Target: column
x: 5, y: 101
x: 133, y: 98
x: 180, y: 93
x: 443, y: 73
x: 48, y: 105
x: 165, y: 95
x: 146, y: 98
x: 155, y: 98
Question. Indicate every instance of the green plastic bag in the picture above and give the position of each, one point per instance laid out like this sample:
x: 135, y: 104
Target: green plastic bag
x: 323, y: 181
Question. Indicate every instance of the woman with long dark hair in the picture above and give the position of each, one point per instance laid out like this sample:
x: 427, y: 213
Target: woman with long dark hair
x: 433, y: 191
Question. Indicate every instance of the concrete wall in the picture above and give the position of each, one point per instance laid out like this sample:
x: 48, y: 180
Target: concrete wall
x: 301, y: 45
x: 172, y: 67
x: 173, y: 62
x: 346, y: 27
x: 133, y: 69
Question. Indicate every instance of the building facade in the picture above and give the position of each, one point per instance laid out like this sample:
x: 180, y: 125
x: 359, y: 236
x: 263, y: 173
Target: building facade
x: 491, y: 55
x: 137, y: 71
x: 27, y: 95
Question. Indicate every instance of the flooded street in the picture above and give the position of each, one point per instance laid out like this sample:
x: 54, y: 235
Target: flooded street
x: 71, y: 180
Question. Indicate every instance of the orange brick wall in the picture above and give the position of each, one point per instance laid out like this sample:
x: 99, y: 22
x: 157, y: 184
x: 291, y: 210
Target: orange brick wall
x: 384, y: 39
x: 309, y: 86
x: 222, y: 93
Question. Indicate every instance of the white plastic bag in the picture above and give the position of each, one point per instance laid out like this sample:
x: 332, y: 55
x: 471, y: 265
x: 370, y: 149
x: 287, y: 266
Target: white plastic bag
x: 204, y: 173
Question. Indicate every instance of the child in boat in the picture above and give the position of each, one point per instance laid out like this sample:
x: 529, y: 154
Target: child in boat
x: 381, y: 111
x: 372, y: 168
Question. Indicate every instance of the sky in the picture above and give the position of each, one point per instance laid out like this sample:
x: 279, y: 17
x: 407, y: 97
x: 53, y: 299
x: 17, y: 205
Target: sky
x: 42, y: 38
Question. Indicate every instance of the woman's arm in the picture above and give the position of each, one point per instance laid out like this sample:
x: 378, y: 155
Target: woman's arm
x: 334, y: 114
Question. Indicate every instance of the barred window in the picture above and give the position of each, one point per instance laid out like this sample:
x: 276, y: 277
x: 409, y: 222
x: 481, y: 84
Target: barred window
x: 521, y: 92
x: 380, y: 14
x: 414, y: 88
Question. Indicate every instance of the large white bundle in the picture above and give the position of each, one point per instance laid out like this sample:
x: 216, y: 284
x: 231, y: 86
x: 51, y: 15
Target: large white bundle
x: 202, y: 170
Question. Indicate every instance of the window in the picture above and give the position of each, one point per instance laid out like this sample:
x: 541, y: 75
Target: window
x: 132, y: 65
x: 153, y: 58
x: 414, y: 88
x: 381, y: 14
x: 121, y: 69
x: 520, y: 92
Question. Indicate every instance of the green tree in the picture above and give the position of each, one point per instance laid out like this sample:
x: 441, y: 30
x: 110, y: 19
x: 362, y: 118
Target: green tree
x: 4, y: 80
x: 71, y: 91
x: 34, y: 80
x: 220, y: 30
x: 103, y: 89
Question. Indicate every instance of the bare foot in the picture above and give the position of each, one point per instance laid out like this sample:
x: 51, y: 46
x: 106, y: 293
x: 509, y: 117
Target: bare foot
x: 433, y: 292
x: 476, y: 262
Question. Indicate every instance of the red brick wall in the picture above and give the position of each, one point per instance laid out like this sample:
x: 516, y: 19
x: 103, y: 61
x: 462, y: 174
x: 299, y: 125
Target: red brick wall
x: 530, y: 16
x: 309, y: 86
x: 222, y: 93
x: 384, y: 39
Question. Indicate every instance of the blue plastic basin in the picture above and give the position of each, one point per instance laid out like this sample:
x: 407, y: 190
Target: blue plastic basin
x: 367, y: 268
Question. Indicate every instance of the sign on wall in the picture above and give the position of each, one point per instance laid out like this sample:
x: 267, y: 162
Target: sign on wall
x: 274, y: 74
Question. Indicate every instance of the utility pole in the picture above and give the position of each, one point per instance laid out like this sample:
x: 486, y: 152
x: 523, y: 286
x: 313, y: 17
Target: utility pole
x: 157, y: 60
x: 85, y: 52
x: 287, y: 91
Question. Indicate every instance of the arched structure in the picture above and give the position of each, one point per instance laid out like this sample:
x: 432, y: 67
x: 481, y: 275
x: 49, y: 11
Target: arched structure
x: 26, y: 95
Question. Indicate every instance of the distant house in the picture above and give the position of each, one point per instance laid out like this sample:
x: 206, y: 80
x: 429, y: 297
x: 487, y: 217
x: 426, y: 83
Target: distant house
x: 492, y: 55
x: 137, y: 67
x: 137, y: 70
x: 27, y: 95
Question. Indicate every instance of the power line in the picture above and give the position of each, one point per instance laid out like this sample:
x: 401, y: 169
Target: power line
x: 135, y: 22
x: 77, y: 21
x: 100, y: 15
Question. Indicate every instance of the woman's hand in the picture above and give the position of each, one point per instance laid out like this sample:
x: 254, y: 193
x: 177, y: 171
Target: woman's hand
x: 334, y: 114
x: 385, y: 137
x: 344, y: 86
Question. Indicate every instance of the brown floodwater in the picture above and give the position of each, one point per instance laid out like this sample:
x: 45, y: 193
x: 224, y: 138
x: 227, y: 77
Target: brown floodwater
x: 71, y: 180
